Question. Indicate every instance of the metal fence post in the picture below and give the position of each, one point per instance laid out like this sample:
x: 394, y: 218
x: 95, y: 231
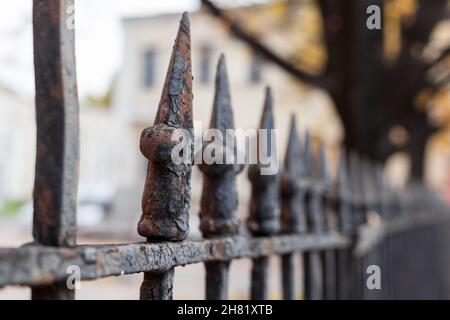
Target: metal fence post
x: 264, y: 204
x: 292, y: 209
x: 219, y: 196
x: 328, y: 256
x: 57, y: 148
x: 313, y: 270
x: 166, y: 197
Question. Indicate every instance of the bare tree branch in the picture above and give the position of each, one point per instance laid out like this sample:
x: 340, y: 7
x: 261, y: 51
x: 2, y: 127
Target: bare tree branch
x: 263, y: 50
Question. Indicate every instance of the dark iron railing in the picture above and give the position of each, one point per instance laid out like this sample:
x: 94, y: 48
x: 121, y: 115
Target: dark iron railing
x: 338, y: 228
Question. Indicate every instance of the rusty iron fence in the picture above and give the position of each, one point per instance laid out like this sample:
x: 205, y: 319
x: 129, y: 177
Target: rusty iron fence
x: 341, y: 228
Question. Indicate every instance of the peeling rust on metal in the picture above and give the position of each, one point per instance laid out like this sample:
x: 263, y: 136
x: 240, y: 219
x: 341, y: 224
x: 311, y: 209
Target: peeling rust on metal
x: 264, y: 204
x: 166, y: 198
x: 219, y: 197
x: 293, y: 218
x: 40, y: 265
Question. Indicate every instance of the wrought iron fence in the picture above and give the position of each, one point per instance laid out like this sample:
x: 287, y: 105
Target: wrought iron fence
x: 341, y: 229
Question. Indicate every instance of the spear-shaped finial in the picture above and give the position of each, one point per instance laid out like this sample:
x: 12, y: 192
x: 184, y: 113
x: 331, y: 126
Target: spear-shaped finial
x: 308, y: 155
x: 222, y: 114
x: 264, y: 205
x: 292, y: 209
x: 324, y: 168
x: 325, y: 188
x: 175, y: 106
x: 219, y: 197
x: 343, y: 194
x: 166, y: 198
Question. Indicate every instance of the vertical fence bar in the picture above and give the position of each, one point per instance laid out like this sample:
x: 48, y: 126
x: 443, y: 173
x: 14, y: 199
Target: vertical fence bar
x: 219, y: 197
x: 343, y: 256
x: 292, y: 209
x: 167, y: 192
x: 313, y: 280
x: 328, y: 256
x: 264, y: 203
x: 358, y: 217
x: 57, y: 147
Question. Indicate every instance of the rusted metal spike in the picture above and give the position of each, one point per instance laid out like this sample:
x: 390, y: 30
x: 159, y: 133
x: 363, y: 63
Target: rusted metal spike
x: 327, y: 214
x: 313, y: 274
x: 219, y: 197
x: 267, y: 119
x: 308, y: 155
x: 356, y: 196
x: 264, y: 204
x: 324, y: 167
x: 222, y: 115
x: 381, y: 190
x: 175, y: 106
x: 292, y: 208
x: 57, y: 148
x: 315, y: 214
x: 344, y: 216
x: 166, y: 198
x: 292, y: 211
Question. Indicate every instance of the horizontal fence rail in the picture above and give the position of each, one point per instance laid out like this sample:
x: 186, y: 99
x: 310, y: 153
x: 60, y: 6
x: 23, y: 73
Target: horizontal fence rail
x: 343, y: 230
x: 44, y: 265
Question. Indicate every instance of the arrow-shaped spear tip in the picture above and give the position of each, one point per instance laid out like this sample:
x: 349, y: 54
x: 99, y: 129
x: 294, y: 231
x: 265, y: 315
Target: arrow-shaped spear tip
x: 175, y: 106
x: 324, y: 170
x: 308, y: 152
x: 267, y: 121
x: 222, y: 116
x: 293, y: 152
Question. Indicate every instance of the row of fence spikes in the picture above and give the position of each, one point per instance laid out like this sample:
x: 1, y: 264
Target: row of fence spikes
x: 359, y: 182
x: 360, y: 186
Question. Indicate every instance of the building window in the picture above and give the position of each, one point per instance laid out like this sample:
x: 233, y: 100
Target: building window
x: 205, y: 64
x: 256, y: 69
x: 149, y: 69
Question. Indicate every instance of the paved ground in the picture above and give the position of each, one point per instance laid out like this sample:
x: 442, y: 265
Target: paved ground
x: 189, y: 280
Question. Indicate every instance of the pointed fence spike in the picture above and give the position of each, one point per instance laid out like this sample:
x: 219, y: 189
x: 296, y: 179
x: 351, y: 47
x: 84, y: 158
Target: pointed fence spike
x: 264, y: 204
x: 217, y: 211
x: 292, y: 212
x: 166, y: 198
x: 175, y: 106
x: 222, y: 115
x: 308, y: 155
x: 219, y: 196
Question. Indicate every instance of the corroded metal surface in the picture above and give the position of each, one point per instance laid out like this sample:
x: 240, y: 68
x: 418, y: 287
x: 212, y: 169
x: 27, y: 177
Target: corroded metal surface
x: 259, y: 279
x: 312, y: 262
x: 293, y: 218
x: 292, y: 208
x: 157, y: 286
x: 217, y: 280
x: 55, y: 186
x: 40, y: 265
x: 264, y: 204
x: 219, y: 197
x: 57, y: 147
x: 166, y: 198
x: 328, y: 211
